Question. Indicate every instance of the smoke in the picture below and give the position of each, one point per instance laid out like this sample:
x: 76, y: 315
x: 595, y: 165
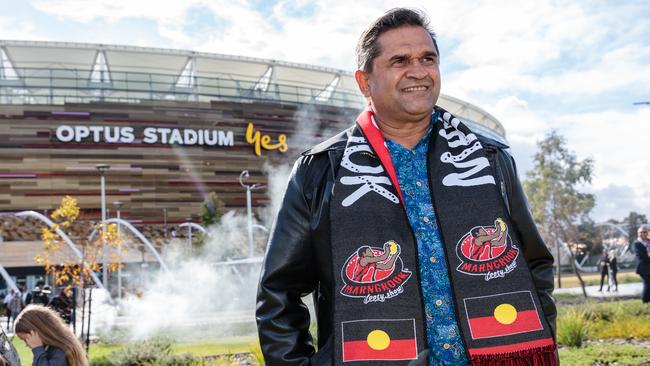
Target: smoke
x: 210, y: 293
x: 204, y: 295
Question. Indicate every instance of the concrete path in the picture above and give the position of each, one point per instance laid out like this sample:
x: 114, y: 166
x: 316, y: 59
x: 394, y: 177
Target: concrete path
x: 624, y: 289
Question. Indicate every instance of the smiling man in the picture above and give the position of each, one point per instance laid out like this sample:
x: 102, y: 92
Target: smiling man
x: 411, y: 174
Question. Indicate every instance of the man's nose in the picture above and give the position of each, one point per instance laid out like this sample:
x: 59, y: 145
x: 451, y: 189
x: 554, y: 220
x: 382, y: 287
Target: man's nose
x: 416, y: 70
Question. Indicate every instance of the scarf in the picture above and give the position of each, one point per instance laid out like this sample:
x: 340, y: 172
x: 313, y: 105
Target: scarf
x: 378, y: 305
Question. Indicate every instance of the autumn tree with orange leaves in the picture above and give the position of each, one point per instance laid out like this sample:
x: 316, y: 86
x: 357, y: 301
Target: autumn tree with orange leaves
x: 66, y: 269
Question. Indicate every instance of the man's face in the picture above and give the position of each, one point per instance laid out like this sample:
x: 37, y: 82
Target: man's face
x: 643, y: 234
x: 404, y: 84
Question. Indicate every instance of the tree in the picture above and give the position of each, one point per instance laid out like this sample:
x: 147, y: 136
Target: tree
x: 77, y: 272
x: 590, y: 237
x: 67, y: 271
x: 632, y: 223
x: 558, y: 207
x: 211, y: 209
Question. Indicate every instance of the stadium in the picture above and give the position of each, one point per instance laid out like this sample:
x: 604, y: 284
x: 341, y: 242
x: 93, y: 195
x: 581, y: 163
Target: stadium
x: 172, y: 125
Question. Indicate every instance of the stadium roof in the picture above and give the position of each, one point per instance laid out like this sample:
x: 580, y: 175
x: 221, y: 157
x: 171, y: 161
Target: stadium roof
x: 59, y: 72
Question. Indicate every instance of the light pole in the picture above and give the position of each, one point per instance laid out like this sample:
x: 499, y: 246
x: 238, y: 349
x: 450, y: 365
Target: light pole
x: 165, y: 220
x: 103, y: 169
x: 189, y: 235
x: 118, y: 206
x: 249, y: 207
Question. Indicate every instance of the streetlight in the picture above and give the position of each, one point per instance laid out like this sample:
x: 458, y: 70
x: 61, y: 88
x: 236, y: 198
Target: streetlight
x: 103, y: 169
x: 249, y: 207
x: 165, y: 220
x: 118, y: 205
x: 641, y: 103
x: 189, y: 234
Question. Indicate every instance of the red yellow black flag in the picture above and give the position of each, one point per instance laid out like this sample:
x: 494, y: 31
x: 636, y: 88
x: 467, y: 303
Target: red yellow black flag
x: 386, y: 339
x: 501, y: 315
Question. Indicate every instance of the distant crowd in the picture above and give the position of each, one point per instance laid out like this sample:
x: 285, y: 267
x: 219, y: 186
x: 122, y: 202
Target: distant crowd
x: 14, y: 302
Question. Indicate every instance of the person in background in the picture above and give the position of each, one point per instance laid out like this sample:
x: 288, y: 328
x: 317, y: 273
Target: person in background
x: 7, y: 300
x: 641, y: 249
x: 15, y: 306
x: 603, y: 264
x: 8, y: 354
x: 51, y: 340
x: 62, y: 304
x: 613, y: 270
x: 41, y: 296
x: 24, y: 295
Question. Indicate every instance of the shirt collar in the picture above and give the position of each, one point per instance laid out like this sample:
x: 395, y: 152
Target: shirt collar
x: 424, y: 142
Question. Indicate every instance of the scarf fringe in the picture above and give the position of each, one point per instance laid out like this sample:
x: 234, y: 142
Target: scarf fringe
x: 540, y: 356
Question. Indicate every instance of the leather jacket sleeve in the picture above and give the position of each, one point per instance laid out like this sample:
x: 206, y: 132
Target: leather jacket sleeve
x: 538, y: 257
x: 282, y: 318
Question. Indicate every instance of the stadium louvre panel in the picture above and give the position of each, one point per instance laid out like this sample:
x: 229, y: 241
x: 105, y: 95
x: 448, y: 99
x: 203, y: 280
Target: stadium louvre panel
x: 66, y: 107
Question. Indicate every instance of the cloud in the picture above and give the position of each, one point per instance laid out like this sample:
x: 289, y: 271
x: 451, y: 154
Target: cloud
x: 535, y: 65
x: 15, y: 29
x: 113, y: 10
x: 616, y: 201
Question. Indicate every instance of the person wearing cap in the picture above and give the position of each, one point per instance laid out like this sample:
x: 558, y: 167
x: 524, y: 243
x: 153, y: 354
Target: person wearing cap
x: 641, y: 249
x: 411, y: 173
x: 41, y: 296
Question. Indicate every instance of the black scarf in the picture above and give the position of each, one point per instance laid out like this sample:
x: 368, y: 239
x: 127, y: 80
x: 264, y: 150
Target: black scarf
x: 378, y: 308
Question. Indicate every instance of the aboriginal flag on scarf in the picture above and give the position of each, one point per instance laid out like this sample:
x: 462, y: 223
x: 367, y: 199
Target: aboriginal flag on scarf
x: 386, y: 339
x: 498, y: 311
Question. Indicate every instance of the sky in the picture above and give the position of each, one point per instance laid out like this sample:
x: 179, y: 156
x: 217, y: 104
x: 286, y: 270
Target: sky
x: 536, y: 65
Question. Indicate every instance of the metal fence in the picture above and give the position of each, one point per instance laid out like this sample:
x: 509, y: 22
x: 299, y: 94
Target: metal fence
x: 60, y: 86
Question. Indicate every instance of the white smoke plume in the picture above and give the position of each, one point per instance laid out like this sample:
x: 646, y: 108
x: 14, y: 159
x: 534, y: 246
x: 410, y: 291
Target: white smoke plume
x: 204, y: 296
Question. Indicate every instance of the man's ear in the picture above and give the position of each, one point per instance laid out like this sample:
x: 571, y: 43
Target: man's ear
x: 362, y: 78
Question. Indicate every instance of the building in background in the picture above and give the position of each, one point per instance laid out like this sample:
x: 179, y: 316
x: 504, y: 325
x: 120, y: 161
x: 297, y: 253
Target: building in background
x: 173, y: 125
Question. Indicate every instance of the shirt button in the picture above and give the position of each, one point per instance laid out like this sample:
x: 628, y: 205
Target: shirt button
x: 418, y: 183
x: 425, y: 219
x: 446, y: 346
x: 433, y: 259
x: 438, y: 302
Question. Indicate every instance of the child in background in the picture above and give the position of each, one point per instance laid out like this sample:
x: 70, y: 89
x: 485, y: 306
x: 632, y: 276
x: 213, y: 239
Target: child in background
x: 51, y: 341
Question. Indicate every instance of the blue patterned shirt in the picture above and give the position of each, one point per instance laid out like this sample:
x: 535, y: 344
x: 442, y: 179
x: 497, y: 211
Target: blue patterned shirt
x: 443, y: 336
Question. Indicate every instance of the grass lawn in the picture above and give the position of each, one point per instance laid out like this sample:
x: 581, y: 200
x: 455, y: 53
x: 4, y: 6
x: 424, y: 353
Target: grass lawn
x: 603, y: 323
x: 570, y: 279
x: 219, y: 347
x: 604, y: 355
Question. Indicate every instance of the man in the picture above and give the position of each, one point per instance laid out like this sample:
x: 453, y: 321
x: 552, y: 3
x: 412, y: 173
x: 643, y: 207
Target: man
x: 641, y: 249
x: 41, y: 296
x: 62, y: 304
x: 6, y: 302
x: 16, y: 305
x: 412, y: 174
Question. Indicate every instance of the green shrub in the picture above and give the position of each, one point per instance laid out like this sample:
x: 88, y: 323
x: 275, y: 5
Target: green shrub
x: 572, y: 328
x: 598, y: 312
x: 153, y: 352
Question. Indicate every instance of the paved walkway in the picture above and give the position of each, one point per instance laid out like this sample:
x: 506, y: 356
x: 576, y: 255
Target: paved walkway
x: 624, y: 289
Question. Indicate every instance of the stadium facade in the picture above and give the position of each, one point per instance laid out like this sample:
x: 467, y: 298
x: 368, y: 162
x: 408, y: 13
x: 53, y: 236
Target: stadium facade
x: 173, y: 125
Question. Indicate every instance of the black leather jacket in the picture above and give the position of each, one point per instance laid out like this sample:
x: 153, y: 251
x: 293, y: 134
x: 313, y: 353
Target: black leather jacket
x: 298, y: 260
